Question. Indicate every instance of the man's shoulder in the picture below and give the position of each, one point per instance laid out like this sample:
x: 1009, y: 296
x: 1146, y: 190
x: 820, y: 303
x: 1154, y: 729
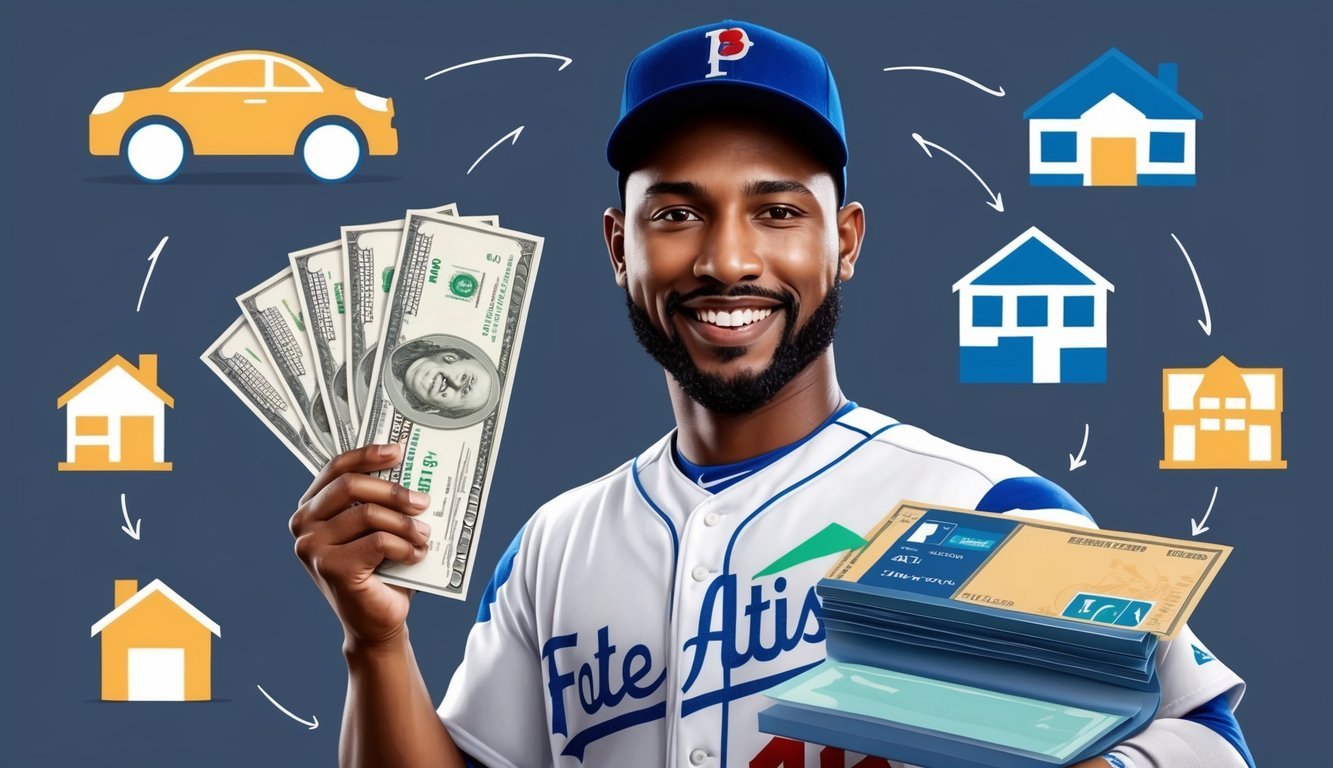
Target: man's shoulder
x: 906, y: 442
x: 596, y: 494
x: 1005, y: 485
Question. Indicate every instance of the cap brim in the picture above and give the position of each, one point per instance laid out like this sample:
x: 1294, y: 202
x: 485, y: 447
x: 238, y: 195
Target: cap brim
x: 649, y: 123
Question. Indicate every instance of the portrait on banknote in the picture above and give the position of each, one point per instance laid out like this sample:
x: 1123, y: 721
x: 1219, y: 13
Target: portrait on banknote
x: 442, y: 381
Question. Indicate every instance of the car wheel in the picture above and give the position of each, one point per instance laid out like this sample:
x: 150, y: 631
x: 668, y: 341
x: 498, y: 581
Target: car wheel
x: 155, y: 151
x: 331, y: 151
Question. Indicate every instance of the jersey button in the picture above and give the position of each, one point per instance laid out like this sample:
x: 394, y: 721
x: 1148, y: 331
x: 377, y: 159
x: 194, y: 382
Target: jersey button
x: 711, y: 519
x: 698, y: 757
x: 699, y: 573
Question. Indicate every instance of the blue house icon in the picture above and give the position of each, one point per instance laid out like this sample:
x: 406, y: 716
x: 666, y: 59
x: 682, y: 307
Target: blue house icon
x: 1032, y: 313
x: 1113, y: 124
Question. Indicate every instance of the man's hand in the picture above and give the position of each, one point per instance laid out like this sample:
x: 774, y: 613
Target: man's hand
x: 346, y: 525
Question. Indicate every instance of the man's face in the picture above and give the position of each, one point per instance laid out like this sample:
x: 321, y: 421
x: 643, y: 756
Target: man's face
x: 731, y: 256
x: 448, y: 380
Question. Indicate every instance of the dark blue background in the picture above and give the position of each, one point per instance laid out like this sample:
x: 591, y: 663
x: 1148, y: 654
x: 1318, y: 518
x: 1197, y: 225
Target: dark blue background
x: 585, y: 398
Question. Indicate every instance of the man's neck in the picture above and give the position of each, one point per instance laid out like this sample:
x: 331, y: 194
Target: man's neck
x: 706, y: 437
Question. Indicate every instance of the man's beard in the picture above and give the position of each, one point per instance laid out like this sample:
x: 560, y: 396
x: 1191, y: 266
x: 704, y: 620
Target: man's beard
x: 744, y: 392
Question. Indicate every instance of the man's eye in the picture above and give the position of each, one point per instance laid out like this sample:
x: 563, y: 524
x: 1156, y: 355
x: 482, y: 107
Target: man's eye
x: 676, y: 214
x: 780, y: 212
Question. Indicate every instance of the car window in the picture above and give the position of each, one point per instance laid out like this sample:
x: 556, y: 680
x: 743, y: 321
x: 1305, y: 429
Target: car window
x: 286, y: 76
x: 243, y: 73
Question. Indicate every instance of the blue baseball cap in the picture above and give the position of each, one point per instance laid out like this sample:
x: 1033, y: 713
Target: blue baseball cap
x: 736, y: 65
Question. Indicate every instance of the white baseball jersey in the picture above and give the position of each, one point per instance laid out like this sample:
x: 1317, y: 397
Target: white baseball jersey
x: 627, y: 625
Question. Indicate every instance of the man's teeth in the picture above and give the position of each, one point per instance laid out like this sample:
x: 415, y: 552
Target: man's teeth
x: 731, y: 319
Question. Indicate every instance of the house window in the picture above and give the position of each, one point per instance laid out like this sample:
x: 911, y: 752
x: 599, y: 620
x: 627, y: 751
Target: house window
x: 1209, y: 403
x: 1236, y: 403
x: 1078, y: 311
x: 987, y: 311
x: 1031, y: 311
x: 90, y: 425
x: 1059, y: 146
x: 1166, y: 147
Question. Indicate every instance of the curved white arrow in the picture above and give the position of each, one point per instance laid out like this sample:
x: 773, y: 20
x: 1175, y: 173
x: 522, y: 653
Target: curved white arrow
x: 311, y: 725
x: 1076, y: 463
x: 968, y: 80
x: 566, y: 61
x: 152, y: 262
x: 1207, y: 322
x: 996, y: 200
x: 132, y: 529
x: 1200, y: 527
x: 512, y: 134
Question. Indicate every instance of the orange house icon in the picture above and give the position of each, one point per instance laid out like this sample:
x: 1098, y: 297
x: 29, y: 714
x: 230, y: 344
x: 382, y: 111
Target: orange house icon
x: 155, y: 646
x: 114, y: 418
x: 1222, y: 417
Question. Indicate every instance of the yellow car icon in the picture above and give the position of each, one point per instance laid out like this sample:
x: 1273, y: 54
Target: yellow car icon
x: 244, y: 103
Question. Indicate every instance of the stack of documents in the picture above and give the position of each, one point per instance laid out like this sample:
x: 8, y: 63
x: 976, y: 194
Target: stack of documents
x: 965, y: 639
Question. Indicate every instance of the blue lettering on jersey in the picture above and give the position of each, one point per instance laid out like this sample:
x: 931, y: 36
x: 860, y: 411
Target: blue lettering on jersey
x: 596, y: 689
x: 603, y: 683
x: 728, y: 638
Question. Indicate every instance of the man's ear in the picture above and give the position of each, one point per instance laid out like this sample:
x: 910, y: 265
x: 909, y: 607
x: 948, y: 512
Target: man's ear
x: 851, y: 233
x: 613, y: 229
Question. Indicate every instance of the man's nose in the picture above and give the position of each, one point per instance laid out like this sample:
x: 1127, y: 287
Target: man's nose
x: 728, y: 253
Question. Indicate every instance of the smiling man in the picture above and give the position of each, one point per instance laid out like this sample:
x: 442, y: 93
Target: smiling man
x: 638, y: 619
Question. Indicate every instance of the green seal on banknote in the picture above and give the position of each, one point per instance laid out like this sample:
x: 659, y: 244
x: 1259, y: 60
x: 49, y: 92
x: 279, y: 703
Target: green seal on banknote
x: 463, y: 285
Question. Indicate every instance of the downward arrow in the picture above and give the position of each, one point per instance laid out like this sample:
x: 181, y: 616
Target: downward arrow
x: 1076, y: 463
x: 1199, y: 527
x: 1207, y: 322
x: 310, y: 724
x: 132, y: 529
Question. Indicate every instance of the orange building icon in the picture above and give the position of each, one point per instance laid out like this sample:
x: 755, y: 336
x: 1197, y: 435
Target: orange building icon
x: 1222, y: 417
x: 114, y: 418
x: 155, y: 646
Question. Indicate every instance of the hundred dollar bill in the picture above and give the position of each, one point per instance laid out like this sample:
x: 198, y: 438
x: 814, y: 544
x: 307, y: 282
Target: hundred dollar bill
x: 1127, y: 580
x: 274, y: 312
x: 442, y: 377
x: 369, y: 253
x: 320, y: 289
x: 237, y: 358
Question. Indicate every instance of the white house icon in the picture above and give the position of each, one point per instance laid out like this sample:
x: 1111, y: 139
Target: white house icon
x: 1033, y: 313
x: 114, y: 418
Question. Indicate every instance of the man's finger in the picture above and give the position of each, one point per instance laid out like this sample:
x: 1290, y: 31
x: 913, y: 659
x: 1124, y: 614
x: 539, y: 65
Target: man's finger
x: 352, y: 488
x: 354, y: 522
x: 367, y: 459
x: 367, y: 552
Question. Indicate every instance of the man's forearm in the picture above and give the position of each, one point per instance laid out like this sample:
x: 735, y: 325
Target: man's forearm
x: 389, y: 720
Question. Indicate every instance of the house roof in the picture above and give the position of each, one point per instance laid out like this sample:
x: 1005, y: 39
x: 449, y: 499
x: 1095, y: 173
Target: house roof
x: 1033, y: 258
x: 1113, y: 72
x: 116, y: 361
x: 141, y: 595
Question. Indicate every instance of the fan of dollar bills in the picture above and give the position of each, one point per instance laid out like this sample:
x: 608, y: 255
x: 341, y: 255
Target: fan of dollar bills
x: 405, y: 331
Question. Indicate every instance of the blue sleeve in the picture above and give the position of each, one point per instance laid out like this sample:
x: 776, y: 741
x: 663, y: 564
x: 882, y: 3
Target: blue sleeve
x: 1029, y: 493
x: 1216, y: 716
x: 502, y: 571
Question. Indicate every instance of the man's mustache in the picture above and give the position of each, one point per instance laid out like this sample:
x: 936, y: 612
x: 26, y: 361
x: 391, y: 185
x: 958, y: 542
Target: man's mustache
x: 675, y: 299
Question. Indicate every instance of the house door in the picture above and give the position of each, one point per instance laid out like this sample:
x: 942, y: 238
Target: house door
x: 157, y: 674
x: 136, y: 441
x: 1114, y: 163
